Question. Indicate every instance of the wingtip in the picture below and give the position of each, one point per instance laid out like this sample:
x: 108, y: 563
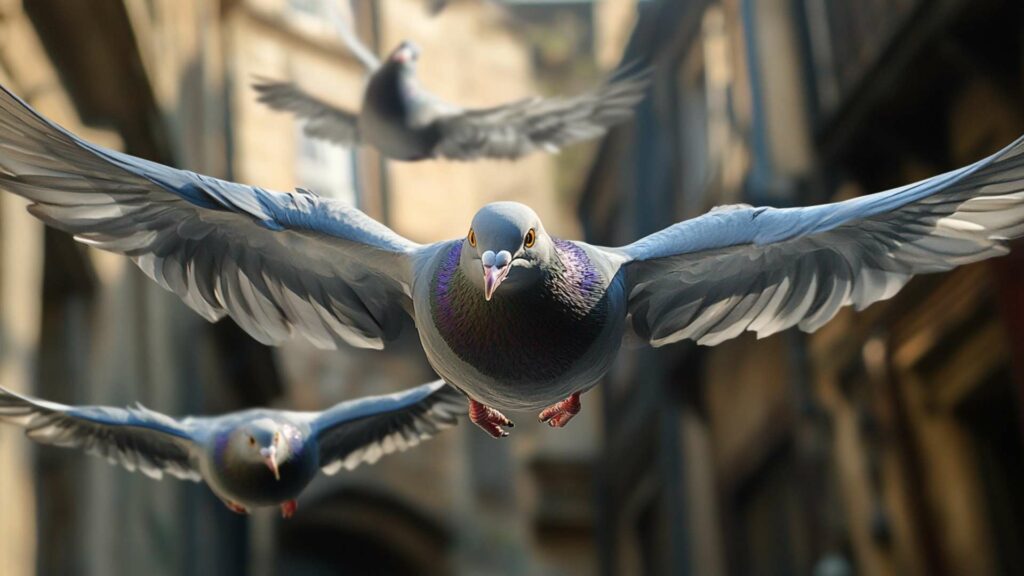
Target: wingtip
x: 7, y: 392
x: 638, y: 70
x: 268, y: 89
x: 259, y: 81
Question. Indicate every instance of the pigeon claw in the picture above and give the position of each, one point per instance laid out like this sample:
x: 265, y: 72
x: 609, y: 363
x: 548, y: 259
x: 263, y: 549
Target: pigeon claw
x: 558, y: 415
x: 489, y: 419
x: 288, y: 508
x: 236, y: 508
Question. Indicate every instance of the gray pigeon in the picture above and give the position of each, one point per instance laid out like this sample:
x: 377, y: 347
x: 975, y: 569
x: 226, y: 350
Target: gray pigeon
x: 249, y: 459
x: 405, y: 122
x: 514, y: 318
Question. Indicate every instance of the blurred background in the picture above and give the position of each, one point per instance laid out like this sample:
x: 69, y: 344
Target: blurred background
x: 890, y: 442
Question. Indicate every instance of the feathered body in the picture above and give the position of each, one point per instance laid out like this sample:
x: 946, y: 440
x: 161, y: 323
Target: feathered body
x: 523, y: 349
x: 249, y: 482
x: 392, y: 118
x: 250, y: 459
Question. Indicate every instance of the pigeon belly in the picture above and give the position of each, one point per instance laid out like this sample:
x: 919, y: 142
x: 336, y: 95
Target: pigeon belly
x: 525, y: 349
x: 394, y: 139
x: 388, y: 124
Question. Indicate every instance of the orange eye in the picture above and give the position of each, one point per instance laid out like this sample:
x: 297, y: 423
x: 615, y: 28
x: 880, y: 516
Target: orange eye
x: 472, y: 238
x: 531, y: 239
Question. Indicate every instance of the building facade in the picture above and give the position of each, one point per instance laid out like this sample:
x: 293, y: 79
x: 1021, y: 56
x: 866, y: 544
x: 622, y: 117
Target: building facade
x: 888, y: 441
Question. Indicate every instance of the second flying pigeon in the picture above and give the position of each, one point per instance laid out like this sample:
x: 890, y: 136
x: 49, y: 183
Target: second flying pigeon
x: 253, y: 458
x: 405, y: 122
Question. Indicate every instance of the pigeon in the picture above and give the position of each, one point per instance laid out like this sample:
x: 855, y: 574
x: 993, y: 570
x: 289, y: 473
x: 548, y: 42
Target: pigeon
x: 405, y: 122
x: 514, y: 318
x: 250, y: 459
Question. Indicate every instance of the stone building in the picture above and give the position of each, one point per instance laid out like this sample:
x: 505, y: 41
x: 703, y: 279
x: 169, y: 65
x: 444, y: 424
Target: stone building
x: 169, y: 80
x: 890, y: 442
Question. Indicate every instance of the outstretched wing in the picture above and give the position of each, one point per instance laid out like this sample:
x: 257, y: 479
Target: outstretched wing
x: 764, y: 269
x: 275, y: 262
x: 135, y: 438
x: 322, y: 120
x: 361, y: 431
x: 514, y: 130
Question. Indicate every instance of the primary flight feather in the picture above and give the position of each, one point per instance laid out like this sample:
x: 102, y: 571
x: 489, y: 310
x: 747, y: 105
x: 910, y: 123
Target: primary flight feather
x: 513, y: 317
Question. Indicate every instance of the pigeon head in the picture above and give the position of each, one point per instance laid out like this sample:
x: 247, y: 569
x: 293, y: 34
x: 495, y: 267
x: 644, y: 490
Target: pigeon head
x: 506, y: 246
x: 262, y: 441
x: 405, y: 55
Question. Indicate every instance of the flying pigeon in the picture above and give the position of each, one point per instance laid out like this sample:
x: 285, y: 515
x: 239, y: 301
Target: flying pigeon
x: 405, y: 122
x: 511, y: 316
x: 249, y: 459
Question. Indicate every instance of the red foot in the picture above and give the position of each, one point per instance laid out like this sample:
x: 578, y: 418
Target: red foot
x: 288, y: 508
x: 236, y: 508
x: 489, y: 419
x: 559, y: 414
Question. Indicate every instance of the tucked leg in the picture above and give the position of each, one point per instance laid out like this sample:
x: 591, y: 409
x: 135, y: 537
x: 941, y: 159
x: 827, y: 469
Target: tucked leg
x: 558, y: 415
x: 236, y: 508
x: 288, y: 508
x: 489, y: 419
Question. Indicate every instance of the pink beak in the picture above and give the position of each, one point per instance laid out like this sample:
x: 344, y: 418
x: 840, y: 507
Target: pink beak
x: 405, y: 53
x: 493, y: 276
x: 270, y: 458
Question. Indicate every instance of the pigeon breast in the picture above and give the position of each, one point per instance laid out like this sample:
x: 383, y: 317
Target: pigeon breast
x: 391, y: 119
x: 533, y: 335
x: 252, y: 484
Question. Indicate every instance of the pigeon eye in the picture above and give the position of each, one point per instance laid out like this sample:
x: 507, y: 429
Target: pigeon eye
x: 531, y: 238
x: 252, y: 441
x: 472, y: 238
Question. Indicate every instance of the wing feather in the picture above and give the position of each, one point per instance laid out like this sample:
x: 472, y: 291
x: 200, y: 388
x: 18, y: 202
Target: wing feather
x: 322, y: 120
x: 514, y: 130
x: 277, y: 263
x: 361, y: 431
x: 741, y: 268
x: 134, y: 438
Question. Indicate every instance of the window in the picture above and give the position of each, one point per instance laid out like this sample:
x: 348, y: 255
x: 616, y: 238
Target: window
x: 326, y: 168
x: 335, y: 16
x: 310, y: 7
x: 711, y: 165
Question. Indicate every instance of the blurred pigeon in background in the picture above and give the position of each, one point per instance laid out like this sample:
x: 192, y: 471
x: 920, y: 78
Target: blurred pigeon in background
x: 405, y: 122
x: 254, y: 458
x: 514, y: 318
